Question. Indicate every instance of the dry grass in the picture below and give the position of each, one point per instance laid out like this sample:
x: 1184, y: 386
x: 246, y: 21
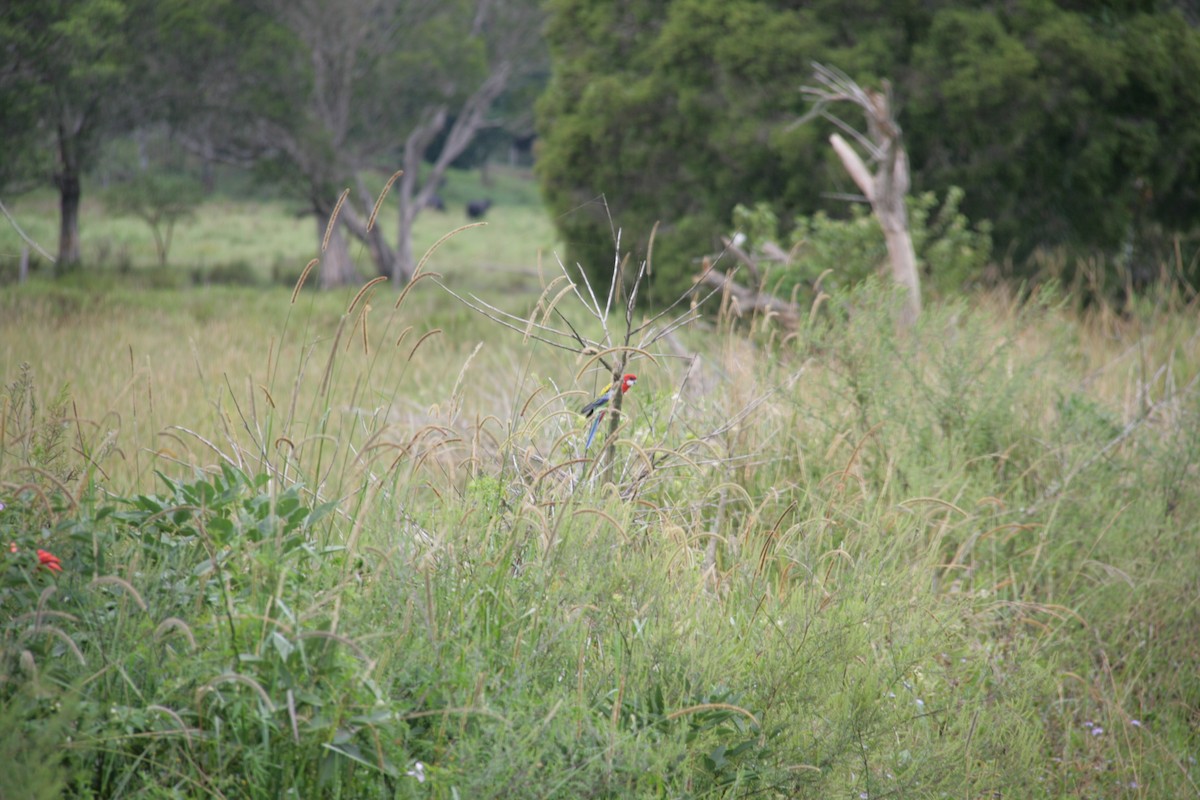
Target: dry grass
x: 905, y: 566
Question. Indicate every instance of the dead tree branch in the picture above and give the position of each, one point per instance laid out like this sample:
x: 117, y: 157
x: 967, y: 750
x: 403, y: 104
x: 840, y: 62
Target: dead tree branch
x: 887, y: 187
x: 752, y: 301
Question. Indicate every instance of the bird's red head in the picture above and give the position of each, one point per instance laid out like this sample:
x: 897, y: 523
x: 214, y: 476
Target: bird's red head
x: 627, y: 383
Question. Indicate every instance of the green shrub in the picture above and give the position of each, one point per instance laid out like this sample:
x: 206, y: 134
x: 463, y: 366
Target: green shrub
x: 160, y: 200
x: 237, y: 273
x: 844, y: 252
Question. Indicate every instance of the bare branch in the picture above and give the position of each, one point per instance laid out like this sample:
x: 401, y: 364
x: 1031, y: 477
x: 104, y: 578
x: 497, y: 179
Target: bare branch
x: 756, y: 301
x: 854, y: 165
x: 495, y: 316
x: 23, y: 235
x: 887, y: 187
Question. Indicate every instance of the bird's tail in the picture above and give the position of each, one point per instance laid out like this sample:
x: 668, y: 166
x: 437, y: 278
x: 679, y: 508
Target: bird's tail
x: 592, y: 430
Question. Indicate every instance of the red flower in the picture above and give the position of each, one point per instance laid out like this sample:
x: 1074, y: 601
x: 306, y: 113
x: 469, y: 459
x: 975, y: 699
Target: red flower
x: 49, y: 561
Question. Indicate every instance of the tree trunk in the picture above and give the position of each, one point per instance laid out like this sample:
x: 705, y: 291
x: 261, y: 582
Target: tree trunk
x: 69, y: 192
x: 750, y: 301
x: 382, y: 255
x: 69, y: 254
x: 405, y: 262
x: 337, y: 268
x: 385, y: 257
x: 208, y: 167
x: 904, y: 265
x: 413, y: 196
x: 887, y: 188
x: 888, y: 201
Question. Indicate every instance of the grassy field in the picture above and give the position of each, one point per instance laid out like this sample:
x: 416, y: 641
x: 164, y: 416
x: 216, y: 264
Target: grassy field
x: 307, y: 552
x: 267, y: 240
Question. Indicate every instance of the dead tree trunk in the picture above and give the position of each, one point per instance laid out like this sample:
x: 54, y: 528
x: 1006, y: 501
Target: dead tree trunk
x: 887, y: 188
x: 369, y: 232
x: 750, y: 300
x: 412, y: 193
x: 337, y: 267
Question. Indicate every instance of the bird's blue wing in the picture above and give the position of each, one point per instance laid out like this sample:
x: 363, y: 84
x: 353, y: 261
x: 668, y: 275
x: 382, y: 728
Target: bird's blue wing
x: 600, y: 400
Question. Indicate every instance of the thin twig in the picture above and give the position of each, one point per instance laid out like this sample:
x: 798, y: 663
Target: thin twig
x: 499, y: 320
x: 23, y: 235
x: 683, y: 296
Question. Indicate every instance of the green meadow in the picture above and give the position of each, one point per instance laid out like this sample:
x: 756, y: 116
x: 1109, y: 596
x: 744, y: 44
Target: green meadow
x: 350, y: 544
x: 243, y: 238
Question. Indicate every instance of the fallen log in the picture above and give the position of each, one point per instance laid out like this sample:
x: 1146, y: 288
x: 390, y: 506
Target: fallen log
x: 751, y: 301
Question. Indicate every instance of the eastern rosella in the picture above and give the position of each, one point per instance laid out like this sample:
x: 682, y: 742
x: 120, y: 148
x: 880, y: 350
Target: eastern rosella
x: 604, y: 399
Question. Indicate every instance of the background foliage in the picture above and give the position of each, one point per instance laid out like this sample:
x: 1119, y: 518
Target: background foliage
x: 1063, y: 122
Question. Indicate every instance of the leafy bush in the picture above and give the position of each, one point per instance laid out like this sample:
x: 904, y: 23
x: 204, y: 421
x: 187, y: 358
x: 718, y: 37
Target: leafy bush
x: 950, y: 252
x: 237, y: 273
x: 161, y: 201
x: 205, y: 600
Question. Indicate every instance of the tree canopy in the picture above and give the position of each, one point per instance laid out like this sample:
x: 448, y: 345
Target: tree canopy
x: 318, y: 92
x: 67, y: 82
x: 1065, y: 122
x: 312, y: 94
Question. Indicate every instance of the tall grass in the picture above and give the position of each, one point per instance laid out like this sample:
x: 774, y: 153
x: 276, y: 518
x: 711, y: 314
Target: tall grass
x: 376, y: 564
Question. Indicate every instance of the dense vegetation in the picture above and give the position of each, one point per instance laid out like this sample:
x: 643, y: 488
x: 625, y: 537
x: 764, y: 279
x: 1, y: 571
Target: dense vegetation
x: 262, y: 541
x: 324, y: 547
x: 1065, y: 123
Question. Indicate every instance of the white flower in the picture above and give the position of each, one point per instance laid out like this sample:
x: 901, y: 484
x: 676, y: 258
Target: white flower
x: 418, y: 772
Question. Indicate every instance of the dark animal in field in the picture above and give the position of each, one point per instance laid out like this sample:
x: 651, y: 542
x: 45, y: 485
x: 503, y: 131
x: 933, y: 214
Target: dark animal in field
x: 436, y: 202
x: 476, y: 209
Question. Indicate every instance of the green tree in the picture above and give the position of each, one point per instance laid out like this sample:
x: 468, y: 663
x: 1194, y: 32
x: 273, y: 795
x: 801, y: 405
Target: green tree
x: 1068, y: 126
x: 67, y: 82
x: 195, y: 58
x: 161, y: 201
x: 318, y: 93
x: 1064, y: 121
x: 496, y: 51
x: 676, y: 112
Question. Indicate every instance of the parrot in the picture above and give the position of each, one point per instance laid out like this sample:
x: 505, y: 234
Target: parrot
x: 604, y: 399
